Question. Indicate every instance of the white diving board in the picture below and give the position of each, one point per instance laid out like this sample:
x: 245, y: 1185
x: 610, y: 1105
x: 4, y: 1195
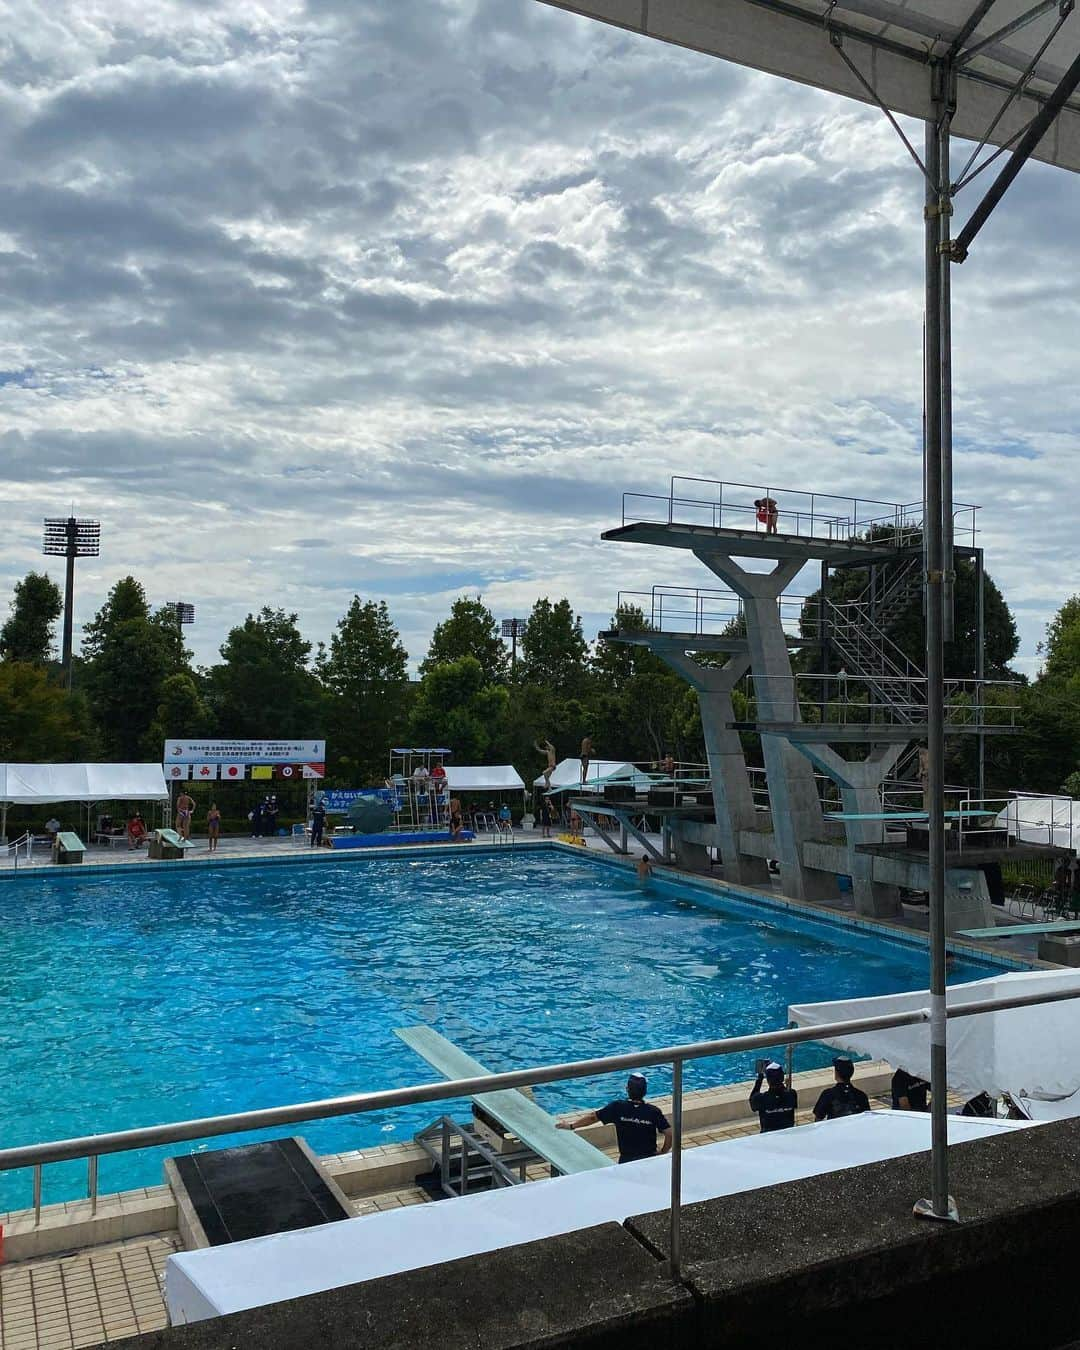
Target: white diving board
x: 904, y: 817
x: 566, y: 1152
x: 1008, y: 930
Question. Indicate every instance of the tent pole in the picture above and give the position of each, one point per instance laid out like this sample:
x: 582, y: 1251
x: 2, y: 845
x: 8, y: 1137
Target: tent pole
x: 936, y: 222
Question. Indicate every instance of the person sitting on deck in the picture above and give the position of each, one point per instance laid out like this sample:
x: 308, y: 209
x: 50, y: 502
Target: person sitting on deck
x: 776, y: 1106
x: 506, y: 824
x: 667, y: 764
x: 136, y: 831
x: 908, y: 1092
x: 637, y: 1122
x: 843, y: 1098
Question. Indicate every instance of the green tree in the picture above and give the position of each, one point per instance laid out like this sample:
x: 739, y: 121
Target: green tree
x: 181, y: 711
x: 40, y: 722
x: 365, y: 673
x: 29, y: 632
x: 554, y: 652
x: 264, y: 686
x: 1062, y: 646
x: 128, y: 653
x: 457, y: 706
x: 469, y: 631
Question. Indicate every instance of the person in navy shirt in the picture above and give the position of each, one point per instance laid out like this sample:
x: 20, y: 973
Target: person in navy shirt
x: 843, y: 1098
x: 776, y: 1106
x: 637, y: 1122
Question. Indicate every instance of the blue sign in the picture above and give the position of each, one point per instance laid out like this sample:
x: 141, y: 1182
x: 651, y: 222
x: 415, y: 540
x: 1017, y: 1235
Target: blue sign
x: 336, y: 801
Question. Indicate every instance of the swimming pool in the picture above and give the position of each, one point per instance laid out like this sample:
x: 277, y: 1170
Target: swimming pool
x: 134, y: 998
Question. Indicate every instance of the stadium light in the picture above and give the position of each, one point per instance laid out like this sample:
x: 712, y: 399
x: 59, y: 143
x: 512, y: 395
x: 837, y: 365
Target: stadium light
x: 513, y: 629
x: 67, y: 537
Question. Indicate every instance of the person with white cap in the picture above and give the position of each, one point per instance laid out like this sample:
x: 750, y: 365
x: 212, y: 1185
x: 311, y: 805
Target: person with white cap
x: 775, y: 1107
x: 637, y: 1122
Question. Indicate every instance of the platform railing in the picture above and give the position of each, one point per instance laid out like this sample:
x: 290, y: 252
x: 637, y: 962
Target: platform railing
x: 708, y: 612
x: 850, y: 700
x: 93, y: 1147
x: 719, y: 504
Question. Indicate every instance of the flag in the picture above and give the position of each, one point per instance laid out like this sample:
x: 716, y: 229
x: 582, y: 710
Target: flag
x: 314, y: 770
x: 262, y: 771
x: 178, y: 771
x: 286, y: 771
x: 233, y: 772
x: 204, y: 772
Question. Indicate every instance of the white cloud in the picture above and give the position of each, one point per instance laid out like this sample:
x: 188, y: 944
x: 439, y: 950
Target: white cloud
x: 302, y: 300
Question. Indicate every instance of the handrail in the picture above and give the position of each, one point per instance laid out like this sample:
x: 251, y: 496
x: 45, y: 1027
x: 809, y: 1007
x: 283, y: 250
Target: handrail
x: 92, y: 1147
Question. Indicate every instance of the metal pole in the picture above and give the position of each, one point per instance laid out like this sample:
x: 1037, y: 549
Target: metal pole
x: 938, y: 1205
x: 675, y: 1238
x: 980, y: 659
x: 37, y: 1195
x: 945, y: 310
x: 69, y: 599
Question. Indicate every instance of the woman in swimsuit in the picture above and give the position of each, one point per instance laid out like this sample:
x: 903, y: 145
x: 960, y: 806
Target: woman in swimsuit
x: 213, y: 826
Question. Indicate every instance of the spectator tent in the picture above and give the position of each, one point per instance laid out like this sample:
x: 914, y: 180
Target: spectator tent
x: 40, y: 784
x: 567, y: 773
x: 485, y: 778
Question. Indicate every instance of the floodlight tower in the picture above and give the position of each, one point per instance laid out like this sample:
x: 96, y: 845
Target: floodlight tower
x: 184, y: 612
x: 513, y: 629
x: 70, y: 538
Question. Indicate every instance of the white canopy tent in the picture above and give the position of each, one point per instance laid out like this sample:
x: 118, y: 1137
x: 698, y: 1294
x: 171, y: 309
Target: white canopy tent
x: 1025, y: 1052
x: 40, y: 784
x: 567, y: 773
x: 1043, y: 820
x: 889, y: 43
x: 483, y: 778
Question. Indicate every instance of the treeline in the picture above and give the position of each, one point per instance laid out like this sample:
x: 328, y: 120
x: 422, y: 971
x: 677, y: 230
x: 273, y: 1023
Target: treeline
x: 134, y: 685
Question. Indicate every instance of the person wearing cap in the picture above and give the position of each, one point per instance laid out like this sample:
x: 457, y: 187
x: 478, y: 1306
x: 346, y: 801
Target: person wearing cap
x: 637, y: 1122
x: 776, y: 1106
x: 843, y: 1098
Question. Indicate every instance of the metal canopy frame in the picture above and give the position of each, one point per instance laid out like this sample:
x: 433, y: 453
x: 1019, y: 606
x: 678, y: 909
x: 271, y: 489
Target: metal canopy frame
x: 923, y: 81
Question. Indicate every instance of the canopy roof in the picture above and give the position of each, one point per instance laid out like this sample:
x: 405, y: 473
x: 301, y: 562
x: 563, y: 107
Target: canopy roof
x: 889, y: 44
x: 1043, y: 820
x: 483, y: 778
x: 1032, y: 1052
x: 567, y: 773
x: 31, y: 784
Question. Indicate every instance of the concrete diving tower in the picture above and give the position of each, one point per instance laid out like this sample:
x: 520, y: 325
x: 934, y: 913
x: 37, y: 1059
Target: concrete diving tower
x: 727, y: 526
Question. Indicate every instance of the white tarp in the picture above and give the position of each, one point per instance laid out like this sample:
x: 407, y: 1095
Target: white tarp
x: 888, y: 42
x: 1023, y: 1051
x: 1043, y: 820
x: 218, y: 1280
x: 31, y: 784
x: 483, y: 778
x: 568, y: 772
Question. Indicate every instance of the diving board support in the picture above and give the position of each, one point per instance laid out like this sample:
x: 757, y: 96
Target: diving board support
x: 589, y: 812
x: 566, y: 1152
x: 859, y: 781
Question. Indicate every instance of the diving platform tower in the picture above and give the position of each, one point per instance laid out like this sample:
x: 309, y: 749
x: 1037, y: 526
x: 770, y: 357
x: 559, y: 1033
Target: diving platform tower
x: 854, y: 727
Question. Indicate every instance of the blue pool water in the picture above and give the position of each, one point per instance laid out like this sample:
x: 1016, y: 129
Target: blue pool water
x: 133, y: 999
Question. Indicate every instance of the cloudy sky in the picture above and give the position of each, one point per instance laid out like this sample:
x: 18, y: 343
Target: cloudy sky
x: 398, y: 297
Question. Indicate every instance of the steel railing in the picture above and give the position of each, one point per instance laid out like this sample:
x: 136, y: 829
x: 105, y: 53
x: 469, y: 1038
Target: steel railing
x: 720, y: 504
x: 92, y: 1147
